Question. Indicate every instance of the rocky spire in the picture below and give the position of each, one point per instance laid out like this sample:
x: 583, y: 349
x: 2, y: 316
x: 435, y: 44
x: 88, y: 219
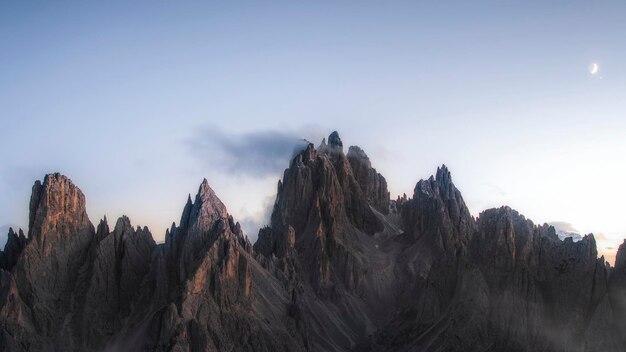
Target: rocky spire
x: 103, y: 229
x: 12, y: 249
x: 323, y: 145
x: 334, y: 142
x: 184, y: 219
x: 443, y: 176
x: 437, y: 213
x: 206, y: 209
x: 304, y: 155
x: 205, y: 223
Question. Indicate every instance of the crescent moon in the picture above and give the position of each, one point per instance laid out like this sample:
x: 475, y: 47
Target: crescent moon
x: 593, y: 69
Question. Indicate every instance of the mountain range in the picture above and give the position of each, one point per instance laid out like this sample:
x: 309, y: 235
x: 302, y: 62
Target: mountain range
x: 339, y: 267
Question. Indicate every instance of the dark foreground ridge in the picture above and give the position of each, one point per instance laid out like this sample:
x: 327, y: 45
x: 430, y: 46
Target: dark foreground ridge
x: 340, y: 267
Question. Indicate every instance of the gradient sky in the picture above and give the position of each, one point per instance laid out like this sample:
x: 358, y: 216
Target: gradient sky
x: 138, y: 101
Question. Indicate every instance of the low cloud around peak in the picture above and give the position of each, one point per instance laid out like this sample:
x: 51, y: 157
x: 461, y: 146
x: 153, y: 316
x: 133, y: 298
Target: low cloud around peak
x: 257, y: 154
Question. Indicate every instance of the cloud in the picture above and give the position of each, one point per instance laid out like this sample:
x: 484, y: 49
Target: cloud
x: 496, y: 189
x: 252, y: 223
x: 600, y: 236
x: 563, y: 226
x: 256, y: 154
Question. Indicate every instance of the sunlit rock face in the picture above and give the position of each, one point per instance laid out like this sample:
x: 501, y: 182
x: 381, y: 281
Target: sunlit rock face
x: 339, y: 267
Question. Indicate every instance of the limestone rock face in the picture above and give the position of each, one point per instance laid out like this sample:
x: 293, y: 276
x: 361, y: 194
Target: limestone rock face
x: 543, y: 291
x: 437, y: 214
x: 340, y: 267
x: 121, y: 261
x: 120, y: 291
x: 202, y: 221
x: 323, y: 235
x: 59, y: 240
x: 323, y: 204
x: 212, y: 294
x: 373, y: 184
x: 432, y: 267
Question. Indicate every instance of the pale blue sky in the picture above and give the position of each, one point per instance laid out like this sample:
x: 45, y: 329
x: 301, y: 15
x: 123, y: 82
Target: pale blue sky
x: 138, y: 101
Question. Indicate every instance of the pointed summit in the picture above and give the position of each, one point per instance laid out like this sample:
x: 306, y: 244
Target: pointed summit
x: 184, y: 219
x: 438, y: 204
x: 356, y: 152
x: 323, y: 144
x: 204, y: 187
x: 122, y: 224
x: 207, y: 208
x: 103, y: 229
x: 443, y: 175
x: 12, y: 249
x: 207, y: 196
x: 305, y: 154
x: 334, y: 141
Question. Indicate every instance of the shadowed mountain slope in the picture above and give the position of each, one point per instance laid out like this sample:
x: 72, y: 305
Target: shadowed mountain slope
x: 340, y: 267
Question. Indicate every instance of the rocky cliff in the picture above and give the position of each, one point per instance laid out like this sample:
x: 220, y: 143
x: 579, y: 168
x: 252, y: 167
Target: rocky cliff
x: 339, y: 267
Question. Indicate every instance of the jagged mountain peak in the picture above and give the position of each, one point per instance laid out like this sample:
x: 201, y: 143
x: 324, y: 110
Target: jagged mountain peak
x: 323, y: 144
x: 304, y: 155
x: 356, y: 151
x: 12, y: 249
x: 589, y: 238
x: 441, y: 179
x: 443, y: 176
x: 56, y: 196
x: 11, y: 232
x: 205, y: 188
x: 504, y: 210
x: 206, y: 194
x: 334, y: 141
x: 184, y: 218
x: 103, y: 229
x: 332, y: 272
x: 438, y: 185
x: 122, y: 224
x: 307, y: 151
x: 437, y: 214
x: 207, y: 208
